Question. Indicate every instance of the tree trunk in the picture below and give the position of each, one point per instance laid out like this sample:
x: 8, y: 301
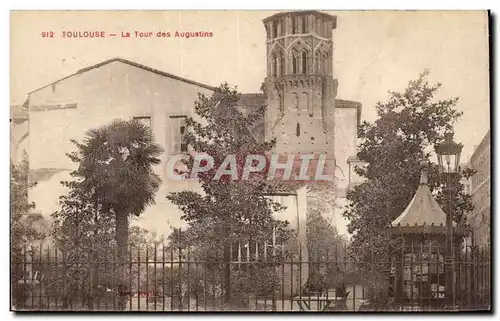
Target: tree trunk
x: 121, y: 222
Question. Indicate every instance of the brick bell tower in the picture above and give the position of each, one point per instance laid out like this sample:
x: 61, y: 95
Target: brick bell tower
x: 300, y: 87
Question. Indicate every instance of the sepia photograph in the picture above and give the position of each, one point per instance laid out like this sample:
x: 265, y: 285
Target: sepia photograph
x: 250, y: 161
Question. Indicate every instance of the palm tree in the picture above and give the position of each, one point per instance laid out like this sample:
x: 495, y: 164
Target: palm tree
x: 116, y: 167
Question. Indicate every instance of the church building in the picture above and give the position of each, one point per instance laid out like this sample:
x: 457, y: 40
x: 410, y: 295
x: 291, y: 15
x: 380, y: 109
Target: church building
x: 299, y: 90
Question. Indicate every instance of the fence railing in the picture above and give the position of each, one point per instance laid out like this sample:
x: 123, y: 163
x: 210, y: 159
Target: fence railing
x: 167, y: 279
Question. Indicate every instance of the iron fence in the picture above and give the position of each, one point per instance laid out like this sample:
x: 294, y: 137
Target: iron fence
x: 166, y: 279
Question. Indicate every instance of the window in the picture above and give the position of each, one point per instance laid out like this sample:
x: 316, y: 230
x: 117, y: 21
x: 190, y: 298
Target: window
x: 323, y: 64
x: 278, y: 64
x: 146, y: 120
x: 310, y: 109
x: 304, y: 102
x: 274, y: 65
x: 295, y: 63
x: 177, y: 132
x: 297, y: 130
x: 282, y: 64
x: 282, y: 103
x: 294, y: 25
x: 317, y: 59
x: 184, y: 147
x: 295, y: 101
x: 304, y: 62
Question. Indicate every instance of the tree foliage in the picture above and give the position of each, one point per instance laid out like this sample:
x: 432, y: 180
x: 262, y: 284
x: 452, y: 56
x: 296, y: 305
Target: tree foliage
x: 23, y: 233
x: 86, y: 246
x: 324, y: 245
x: 228, y: 212
x: 113, y: 181
x: 115, y: 168
x: 408, y: 125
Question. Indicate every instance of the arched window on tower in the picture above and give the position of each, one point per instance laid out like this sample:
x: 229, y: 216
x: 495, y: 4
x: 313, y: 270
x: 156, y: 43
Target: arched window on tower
x: 310, y: 108
x: 304, y: 62
x: 317, y: 59
x: 324, y: 63
x: 282, y: 103
x: 304, y: 24
x: 297, y: 130
x: 304, y: 101
x: 274, y: 67
x: 282, y: 64
x: 295, y: 101
x: 294, y: 25
x: 295, y: 62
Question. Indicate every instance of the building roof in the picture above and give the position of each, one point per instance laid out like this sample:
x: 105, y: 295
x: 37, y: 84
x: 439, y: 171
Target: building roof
x: 483, y: 145
x: 18, y: 114
x: 44, y: 174
x: 131, y: 63
x: 423, y: 210
x: 255, y: 100
x: 341, y: 103
x: 283, y: 188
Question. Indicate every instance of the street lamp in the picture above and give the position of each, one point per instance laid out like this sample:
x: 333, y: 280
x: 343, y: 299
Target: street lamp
x: 448, y: 155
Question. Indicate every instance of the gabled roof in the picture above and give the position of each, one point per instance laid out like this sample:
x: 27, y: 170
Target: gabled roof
x: 131, y: 63
x: 423, y: 210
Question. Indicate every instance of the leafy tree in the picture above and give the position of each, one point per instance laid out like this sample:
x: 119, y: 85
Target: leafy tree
x: 324, y: 245
x: 20, y: 184
x: 115, y: 169
x: 409, y: 124
x: 228, y: 211
x: 85, y: 240
x: 22, y: 231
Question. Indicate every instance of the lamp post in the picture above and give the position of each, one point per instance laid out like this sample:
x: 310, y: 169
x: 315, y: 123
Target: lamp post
x: 448, y: 154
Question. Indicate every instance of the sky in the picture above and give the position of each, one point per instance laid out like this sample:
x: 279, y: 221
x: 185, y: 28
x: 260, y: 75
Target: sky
x: 375, y: 51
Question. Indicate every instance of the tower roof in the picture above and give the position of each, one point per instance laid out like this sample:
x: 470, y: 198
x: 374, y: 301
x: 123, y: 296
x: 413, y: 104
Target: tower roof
x: 324, y: 15
x: 423, y: 210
